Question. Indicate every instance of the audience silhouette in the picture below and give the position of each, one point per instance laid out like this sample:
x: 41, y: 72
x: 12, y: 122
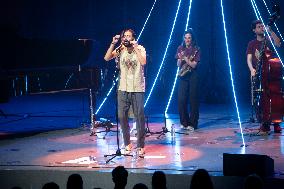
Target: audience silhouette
x: 140, y: 186
x: 50, y: 185
x: 159, y: 180
x: 201, y: 180
x: 253, y: 182
x: 119, y: 177
x: 75, y: 181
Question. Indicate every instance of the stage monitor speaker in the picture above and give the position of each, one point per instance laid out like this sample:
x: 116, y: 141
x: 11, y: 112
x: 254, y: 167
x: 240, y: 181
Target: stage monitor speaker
x: 246, y: 164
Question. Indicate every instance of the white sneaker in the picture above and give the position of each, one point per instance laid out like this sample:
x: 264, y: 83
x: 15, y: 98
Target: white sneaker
x: 182, y: 126
x: 189, y: 128
x: 128, y: 148
x: 141, y: 151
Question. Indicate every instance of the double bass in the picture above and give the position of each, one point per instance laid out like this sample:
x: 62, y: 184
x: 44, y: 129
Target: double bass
x: 269, y: 101
x: 268, y: 87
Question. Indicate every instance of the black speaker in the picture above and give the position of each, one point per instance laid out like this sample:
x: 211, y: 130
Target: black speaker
x: 246, y: 164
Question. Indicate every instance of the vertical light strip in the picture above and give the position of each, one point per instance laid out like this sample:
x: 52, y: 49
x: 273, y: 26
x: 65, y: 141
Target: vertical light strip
x: 174, y: 85
x: 146, y: 20
x: 188, y: 13
x: 113, y: 84
x: 165, y: 53
x: 172, y: 92
x: 274, y: 23
x: 254, y: 9
x: 112, y: 87
x: 253, y: 2
x: 231, y: 74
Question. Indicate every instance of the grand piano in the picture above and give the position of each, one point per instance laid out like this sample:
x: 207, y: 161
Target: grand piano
x: 42, y: 65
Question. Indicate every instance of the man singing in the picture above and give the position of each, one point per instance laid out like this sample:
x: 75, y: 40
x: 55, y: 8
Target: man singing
x: 131, y: 85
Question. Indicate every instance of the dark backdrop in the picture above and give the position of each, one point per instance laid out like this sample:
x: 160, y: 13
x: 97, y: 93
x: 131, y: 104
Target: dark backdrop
x: 99, y: 20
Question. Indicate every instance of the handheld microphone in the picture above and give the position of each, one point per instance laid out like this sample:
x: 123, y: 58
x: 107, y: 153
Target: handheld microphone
x: 118, y: 49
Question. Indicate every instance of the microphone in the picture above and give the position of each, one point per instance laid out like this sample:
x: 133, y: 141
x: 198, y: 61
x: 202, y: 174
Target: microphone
x: 118, y: 49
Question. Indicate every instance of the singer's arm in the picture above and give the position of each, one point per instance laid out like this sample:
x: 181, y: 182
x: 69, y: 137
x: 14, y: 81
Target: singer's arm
x: 141, y: 54
x: 111, y: 53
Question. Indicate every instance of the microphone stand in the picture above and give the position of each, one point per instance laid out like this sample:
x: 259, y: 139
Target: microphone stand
x: 118, y: 151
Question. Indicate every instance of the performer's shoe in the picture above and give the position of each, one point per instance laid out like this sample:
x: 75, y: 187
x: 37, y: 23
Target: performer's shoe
x: 141, y: 151
x: 182, y: 126
x: 277, y: 128
x: 128, y: 148
x: 189, y: 128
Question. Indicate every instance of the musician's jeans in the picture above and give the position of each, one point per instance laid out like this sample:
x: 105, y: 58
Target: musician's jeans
x: 188, y: 90
x: 136, y: 99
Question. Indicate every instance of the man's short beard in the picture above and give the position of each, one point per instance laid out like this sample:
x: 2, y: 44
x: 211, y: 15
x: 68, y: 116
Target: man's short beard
x: 127, y: 43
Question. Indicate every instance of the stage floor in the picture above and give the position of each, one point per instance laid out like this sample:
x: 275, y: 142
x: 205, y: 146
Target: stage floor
x: 56, y: 139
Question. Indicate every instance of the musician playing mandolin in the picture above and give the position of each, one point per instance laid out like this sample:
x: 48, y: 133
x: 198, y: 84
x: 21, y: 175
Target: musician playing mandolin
x: 256, y: 49
x: 188, y: 57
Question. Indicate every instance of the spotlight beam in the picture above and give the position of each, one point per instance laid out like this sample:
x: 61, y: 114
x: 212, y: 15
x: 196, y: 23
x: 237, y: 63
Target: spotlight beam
x: 175, y: 80
x: 231, y: 74
x: 146, y: 20
x: 165, y: 53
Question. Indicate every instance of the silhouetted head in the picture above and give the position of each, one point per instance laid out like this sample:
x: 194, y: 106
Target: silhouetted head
x: 75, y: 181
x: 119, y: 176
x: 201, y: 179
x: 50, y: 185
x: 159, y: 180
x: 140, y: 186
x: 253, y: 182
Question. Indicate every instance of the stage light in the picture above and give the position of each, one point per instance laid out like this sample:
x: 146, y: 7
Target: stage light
x: 231, y: 74
x: 165, y: 53
x: 175, y: 80
x: 258, y: 15
x: 274, y: 23
x: 110, y: 90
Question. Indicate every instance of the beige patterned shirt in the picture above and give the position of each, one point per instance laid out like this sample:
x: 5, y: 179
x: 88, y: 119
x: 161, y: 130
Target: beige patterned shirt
x: 131, y: 77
